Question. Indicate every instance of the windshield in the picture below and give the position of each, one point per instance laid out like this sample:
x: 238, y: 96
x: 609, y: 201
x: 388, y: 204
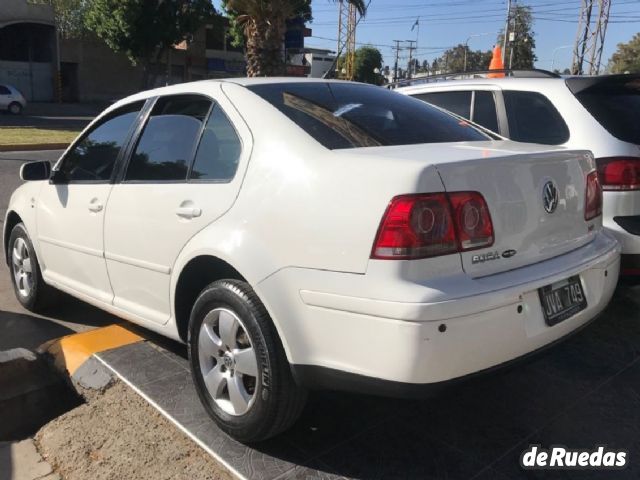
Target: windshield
x: 616, y: 106
x: 348, y: 115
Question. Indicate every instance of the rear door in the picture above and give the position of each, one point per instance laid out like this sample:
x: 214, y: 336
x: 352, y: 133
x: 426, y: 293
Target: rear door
x: 182, y: 174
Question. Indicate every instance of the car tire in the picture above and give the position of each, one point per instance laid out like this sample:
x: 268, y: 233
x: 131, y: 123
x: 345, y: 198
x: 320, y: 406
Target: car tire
x: 15, y: 108
x: 29, y: 287
x: 250, y: 402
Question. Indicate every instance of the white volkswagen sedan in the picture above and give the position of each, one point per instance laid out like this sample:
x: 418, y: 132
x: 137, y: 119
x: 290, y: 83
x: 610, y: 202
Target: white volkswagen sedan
x: 314, y: 234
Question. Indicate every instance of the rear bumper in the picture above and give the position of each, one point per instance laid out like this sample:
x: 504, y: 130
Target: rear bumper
x: 344, y: 342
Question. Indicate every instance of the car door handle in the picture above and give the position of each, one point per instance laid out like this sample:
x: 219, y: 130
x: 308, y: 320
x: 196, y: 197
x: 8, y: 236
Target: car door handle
x: 188, y: 212
x: 95, y: 207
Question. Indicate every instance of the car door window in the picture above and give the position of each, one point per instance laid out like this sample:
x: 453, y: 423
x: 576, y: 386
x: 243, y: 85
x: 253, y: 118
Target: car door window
x: 456, y: 102
x: 4, y: 90
x: 167, y: 144
x: 94, y: 156
x: 219, y: 150
x: 533, y: 118
x: 484, y: 110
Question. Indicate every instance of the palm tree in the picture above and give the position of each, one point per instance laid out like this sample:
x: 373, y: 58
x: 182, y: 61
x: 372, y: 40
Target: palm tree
x: 264, y: 26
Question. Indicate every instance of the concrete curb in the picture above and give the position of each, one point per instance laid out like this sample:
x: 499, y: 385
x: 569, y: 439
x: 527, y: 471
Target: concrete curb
x: 31, y: 393
x: 32, y: 147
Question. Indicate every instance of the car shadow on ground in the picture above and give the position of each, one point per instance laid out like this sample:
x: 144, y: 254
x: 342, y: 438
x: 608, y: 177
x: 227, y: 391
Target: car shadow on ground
x: 580, y: 393
x: 66, y: 316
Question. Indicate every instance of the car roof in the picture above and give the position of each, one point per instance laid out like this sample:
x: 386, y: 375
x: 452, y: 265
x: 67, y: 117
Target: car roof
x: 203, y: 86
x: 515, y: 82
x: 575, y: 82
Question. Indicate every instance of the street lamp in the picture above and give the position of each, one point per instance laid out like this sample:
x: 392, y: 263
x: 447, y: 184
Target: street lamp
x: 555, y: 50
x: 466, y: 46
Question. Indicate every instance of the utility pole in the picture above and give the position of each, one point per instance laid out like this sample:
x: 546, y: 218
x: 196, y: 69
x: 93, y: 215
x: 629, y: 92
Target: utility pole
x: 347, y: 21
x: 506, y: 32
x: 411, y: 49
x: 590, y: 37
x: 395, y: 65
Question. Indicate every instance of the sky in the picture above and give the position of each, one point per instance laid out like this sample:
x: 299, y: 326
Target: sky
x: 445, y: 23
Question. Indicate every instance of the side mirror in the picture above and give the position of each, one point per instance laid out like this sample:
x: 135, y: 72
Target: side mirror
x: 35, y: 171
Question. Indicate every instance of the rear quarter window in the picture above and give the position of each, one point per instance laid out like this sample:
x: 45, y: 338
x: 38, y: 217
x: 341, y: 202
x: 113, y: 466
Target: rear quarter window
x: 616, y: 106
x: 532, y: 118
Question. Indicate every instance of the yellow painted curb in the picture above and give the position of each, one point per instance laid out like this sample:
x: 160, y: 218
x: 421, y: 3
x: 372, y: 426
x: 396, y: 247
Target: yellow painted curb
x: 72, y: 351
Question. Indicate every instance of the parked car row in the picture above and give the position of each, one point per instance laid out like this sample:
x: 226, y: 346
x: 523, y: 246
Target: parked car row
x: 311, y: 234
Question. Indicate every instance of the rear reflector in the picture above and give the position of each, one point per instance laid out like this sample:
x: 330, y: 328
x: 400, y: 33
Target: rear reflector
x: 429, y: 225
x: 593, y: 197
x: 619, y: 173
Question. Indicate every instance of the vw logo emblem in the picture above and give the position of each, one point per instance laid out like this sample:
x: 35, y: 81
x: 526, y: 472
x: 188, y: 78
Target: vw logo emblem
x: 550, y: 196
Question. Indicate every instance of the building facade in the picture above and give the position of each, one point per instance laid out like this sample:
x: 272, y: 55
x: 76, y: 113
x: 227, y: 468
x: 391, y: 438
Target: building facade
x: 28, y: 48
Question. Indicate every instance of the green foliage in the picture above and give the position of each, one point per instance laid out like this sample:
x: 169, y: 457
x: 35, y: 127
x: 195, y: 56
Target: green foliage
x: 452, y: 60
x: 627, y: 57
x: 69, y: 17
x: 302, y: 8
x: 524, y: 43
x: 367, y: 59
x: 261, y: 25
x: 142, y: 29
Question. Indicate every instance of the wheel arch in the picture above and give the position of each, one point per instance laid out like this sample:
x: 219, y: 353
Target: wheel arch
x: 12, y: 219
x: 196, y: 274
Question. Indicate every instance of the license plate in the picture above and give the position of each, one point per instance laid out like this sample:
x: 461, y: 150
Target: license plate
x: 562, y: 300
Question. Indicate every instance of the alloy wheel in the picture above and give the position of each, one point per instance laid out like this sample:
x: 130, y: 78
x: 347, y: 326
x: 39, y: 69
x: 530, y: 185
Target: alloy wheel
x: 227, y: 361
x: 22, y: 267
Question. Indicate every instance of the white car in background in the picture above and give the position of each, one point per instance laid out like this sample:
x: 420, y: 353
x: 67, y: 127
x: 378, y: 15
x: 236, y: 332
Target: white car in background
x: 314, y: 234
x: 598, y: 113
x: 11, y: 99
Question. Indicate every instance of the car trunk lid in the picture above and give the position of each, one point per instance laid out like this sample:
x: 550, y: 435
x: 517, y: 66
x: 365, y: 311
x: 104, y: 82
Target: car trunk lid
x: 536, y: 202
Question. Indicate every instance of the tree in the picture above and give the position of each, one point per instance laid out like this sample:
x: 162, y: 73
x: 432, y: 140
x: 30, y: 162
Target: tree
x: 144, y: 29
x: 367, y: 59
x: 626, y: 57
x: 263, y: 25
x: 69, y: 17
x: 452, y: 60
x: 520, y: 52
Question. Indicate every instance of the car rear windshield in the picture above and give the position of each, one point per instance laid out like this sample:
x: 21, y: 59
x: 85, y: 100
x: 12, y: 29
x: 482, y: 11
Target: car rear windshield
x: 348, y: 115
x: 616, y: 106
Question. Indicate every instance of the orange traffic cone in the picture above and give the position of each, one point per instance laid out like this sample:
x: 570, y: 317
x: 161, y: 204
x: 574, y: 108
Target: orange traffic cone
x: 496, y: 63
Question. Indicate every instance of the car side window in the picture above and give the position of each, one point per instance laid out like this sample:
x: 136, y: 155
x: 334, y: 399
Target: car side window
x: 484, y: 110
x: 219, y: 150
x: 167, y: 143
x: 533, y: 118
x: 456, y: 102
x: 4, y: 90
x: 94, y: 156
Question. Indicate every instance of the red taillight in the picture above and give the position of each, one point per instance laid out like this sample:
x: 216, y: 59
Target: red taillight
x: 428, y: 225
x: 593, y: 197
x: 472, y: 220
x: 619, y: 173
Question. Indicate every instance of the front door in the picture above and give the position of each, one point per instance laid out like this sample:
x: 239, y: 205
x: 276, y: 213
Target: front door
x: 70, y: 209
x: 181, y: 177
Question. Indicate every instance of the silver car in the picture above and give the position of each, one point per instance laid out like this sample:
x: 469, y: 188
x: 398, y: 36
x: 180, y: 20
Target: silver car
x: 598, y: 113
x: 11, y: 99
